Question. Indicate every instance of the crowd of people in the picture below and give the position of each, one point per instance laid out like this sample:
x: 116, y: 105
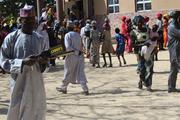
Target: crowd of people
x: 93, y: 36
x: 22, y: 41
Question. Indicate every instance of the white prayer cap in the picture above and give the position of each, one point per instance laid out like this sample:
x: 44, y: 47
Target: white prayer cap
x: 93, y: 23
x: 27, y: 11
x: 70, y: 24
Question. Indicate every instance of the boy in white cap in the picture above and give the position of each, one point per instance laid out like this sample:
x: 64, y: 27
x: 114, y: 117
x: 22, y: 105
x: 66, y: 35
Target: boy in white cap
x: 17, y: 56
x: 74, y: 63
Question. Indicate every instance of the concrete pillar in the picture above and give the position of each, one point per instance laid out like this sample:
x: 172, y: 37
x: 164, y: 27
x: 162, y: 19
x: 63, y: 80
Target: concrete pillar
x: 90, y: 8
x: 59, y: 9
x: 39, y: 4
x: 38, y: 9
x: 85, y: 8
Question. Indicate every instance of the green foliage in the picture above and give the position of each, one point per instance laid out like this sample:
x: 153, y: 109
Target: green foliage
x: 11, y: 7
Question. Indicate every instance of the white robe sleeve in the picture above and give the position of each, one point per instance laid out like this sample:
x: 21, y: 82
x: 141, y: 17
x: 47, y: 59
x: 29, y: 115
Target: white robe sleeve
x: 68, y: 44
x: 7, y: 62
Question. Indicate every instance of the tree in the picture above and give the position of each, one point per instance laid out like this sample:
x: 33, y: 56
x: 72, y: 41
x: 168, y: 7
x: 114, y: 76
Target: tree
x: 11, y: 7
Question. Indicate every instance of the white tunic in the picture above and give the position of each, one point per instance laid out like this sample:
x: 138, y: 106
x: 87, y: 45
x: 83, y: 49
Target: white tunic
x: 147, y: 51
x: 74, y: 63
x: 28, y: 101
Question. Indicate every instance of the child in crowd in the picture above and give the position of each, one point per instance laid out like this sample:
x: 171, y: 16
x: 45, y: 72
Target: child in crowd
x: 152, y: 33
x: 147, y: 63
x: 120, y: 39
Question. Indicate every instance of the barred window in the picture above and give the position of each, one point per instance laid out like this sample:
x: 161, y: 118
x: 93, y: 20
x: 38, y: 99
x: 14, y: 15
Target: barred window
x: 143, y: 5
x: 113, y: 6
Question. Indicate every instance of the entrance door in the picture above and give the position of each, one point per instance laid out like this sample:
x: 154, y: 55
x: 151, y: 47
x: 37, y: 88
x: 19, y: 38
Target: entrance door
x: 79, y: 5
x: 90, y: 9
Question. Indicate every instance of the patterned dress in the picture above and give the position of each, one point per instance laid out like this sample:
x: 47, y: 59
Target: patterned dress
x: 107, y: 43
x: 95, y: 46
x: 138, y: 38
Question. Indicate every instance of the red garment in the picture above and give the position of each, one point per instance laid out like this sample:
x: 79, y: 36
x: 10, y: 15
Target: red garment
x: 126, y: 32
x: 146, y: 19
x: 123, y: 28
x: 159, y: 16
x: 123, y: 25
x: 123, y: 18
x: 3, y: 34
x: 165, y: 32
x: 129, y: 46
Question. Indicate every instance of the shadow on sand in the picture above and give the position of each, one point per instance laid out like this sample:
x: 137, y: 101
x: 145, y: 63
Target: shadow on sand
x: 162, y: 72
x: 3, y: 111
x: 53, y: 69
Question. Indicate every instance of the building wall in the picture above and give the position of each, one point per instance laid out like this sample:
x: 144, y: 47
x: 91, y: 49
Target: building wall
x: 100, y: 7
x: 165, y: 4
x: 126, y: 7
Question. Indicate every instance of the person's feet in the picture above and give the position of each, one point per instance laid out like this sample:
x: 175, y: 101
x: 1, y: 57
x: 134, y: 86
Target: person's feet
x: 120, y: 64
x: 140, y: 85
x: 172, y: 90
x: 138, y: 71
x: 93, y: 65
x: 86, y: 92
x: 98, y: 66
x: 65, y: 91
x: 110, y: 65
x: 105, y: 65
x: 149, y: 89
x: 61, y: 90
x: 156, y: 59
x: 162, y: 49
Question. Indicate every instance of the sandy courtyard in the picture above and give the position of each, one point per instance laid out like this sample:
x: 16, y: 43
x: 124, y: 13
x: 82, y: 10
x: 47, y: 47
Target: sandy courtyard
x: 113, y: 94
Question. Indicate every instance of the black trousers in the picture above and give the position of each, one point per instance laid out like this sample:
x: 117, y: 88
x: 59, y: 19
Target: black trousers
x: 173, y: 76
x: 161, y: 40
x: 52, y: 62
x: 146, y: 71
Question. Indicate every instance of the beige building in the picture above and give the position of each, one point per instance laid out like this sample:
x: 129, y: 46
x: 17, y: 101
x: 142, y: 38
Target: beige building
x: 106, y: 7
x: 115, y: 9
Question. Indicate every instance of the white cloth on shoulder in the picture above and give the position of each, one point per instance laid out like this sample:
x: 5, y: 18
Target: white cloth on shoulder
x: 146, y: 51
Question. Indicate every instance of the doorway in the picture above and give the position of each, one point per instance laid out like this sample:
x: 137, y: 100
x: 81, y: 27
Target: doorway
x: 79, y: 5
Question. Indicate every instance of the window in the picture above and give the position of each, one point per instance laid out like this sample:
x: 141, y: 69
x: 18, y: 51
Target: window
x: 143, y: 5
x: 113, y: 6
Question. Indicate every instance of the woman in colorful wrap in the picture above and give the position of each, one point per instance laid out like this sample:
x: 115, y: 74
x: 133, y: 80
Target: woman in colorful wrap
x: 139, y: 36
x: 94, y: 45
x: 107, y: 44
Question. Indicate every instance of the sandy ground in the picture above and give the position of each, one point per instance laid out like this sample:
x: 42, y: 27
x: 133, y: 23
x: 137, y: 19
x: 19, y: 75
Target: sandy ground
x: 113, y: 94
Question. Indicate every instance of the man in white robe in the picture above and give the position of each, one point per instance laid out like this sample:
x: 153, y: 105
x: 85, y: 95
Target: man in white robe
x: 28, y: 101
x: 74, y: 63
